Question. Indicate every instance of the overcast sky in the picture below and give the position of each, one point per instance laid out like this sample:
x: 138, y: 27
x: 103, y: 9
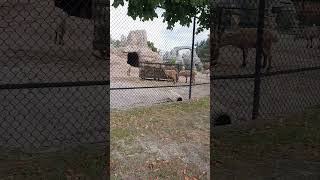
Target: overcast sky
x: 164, y: 39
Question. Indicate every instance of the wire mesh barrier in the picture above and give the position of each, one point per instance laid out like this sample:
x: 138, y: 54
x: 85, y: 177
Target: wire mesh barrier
x: 266, y: 59
x: 151, y: 65
x: 54, y: 83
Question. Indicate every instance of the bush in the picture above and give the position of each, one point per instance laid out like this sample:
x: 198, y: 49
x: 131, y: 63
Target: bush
x: 173, y: 61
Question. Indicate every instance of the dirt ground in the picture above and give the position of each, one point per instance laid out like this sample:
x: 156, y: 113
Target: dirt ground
x: 130, y: 98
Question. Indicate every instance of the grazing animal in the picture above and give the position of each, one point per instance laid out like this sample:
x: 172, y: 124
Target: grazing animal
x: 172, y: 74
x: 186, y: 74
x: 309, y: 33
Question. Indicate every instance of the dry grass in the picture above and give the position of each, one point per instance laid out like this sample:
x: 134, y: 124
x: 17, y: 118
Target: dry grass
x: 165, y: 141
x: 82, y: 162
x: 254, y: 152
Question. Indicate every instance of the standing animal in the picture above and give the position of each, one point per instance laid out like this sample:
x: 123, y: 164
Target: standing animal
x: 309, y: 33
x: 172, y: 74
x: 245, y: 38
x: 186, y: 74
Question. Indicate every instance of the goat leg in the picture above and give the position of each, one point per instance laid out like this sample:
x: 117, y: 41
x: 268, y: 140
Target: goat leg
x: 56, y: 37
x: 308, y: 43
x: 269, y: 62
x: 244, y: 56
x: 265, y: 58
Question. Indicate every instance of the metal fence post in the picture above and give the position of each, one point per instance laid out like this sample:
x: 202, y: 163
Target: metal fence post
x: 259, y: 49
x: 192, y: 54
x: 101, y: 23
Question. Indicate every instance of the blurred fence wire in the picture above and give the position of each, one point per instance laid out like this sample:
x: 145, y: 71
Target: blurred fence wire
x: 142, y: 73
x: 54, y: 80
x: 266, y: 58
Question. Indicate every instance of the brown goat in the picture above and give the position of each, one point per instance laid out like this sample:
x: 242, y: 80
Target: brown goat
x: 186, y: 74
x: 245, y: 38
x: 172, y: 74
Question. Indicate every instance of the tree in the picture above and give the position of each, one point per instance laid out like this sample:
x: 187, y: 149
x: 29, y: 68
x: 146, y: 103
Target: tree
x: 203, y: 50
x: 176, y: 11
x: 151, y: 46
x: 115, y: 43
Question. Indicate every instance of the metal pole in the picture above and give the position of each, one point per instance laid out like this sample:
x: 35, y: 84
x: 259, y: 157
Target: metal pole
x: 192, y: 49
x: 257, y: 80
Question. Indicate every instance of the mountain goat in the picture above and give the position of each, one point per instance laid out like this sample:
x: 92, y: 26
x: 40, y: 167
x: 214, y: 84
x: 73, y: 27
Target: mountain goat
x: 172, y: 74
x: 245, y: 38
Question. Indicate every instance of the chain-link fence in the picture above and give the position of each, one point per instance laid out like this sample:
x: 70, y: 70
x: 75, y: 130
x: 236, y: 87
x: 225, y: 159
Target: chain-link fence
x: 151, y: 65
x: 266, y: 59
x: 54, y: 82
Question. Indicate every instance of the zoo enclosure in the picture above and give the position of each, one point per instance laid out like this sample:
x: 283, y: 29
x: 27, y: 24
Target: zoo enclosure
x: 138, y: 70
x: 251, y: 91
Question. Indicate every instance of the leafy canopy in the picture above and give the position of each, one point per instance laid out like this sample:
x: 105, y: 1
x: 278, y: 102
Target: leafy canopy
x: 152, y: 47
x: 203, y: 50
x: 175, y: 11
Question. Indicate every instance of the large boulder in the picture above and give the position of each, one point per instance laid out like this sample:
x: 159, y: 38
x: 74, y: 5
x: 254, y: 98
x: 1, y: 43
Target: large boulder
x: 137, y: 42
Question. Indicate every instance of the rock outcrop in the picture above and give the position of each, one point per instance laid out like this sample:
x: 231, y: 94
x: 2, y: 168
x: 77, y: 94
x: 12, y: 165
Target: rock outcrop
x: 136, y: 42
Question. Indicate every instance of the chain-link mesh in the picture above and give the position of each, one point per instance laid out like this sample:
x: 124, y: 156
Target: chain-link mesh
x: 152, y: 67
x: 290, y: 42
x: 54, y: 81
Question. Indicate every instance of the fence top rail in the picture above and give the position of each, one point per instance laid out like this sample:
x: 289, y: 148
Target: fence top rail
x: 265, y: 74
x: 159, y: 63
